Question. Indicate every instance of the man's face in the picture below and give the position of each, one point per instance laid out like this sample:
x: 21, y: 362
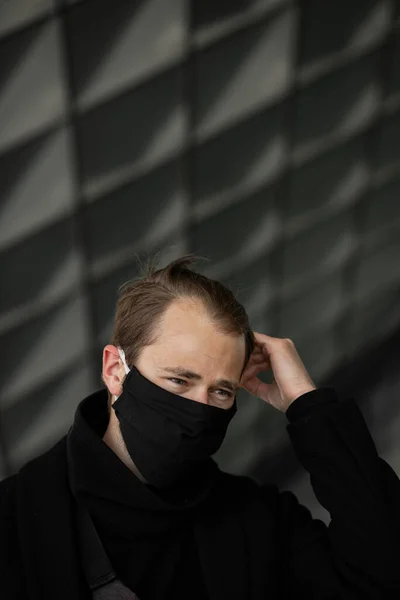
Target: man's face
x: 192, y: 358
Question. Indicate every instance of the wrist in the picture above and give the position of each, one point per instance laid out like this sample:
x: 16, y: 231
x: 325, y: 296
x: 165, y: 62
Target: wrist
x: 298, y: 393
x: 316, y: 402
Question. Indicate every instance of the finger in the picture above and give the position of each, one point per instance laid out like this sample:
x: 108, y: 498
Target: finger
x: 261, y: 338
x: 258, y: 346
x: 258, y: 388
x: 262, y: 353
x: 257, y: 357
x: 254, y: 370
x: 266, y: 341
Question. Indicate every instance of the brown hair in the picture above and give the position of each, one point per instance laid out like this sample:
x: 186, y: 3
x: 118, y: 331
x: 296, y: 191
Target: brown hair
x: 142, y: 303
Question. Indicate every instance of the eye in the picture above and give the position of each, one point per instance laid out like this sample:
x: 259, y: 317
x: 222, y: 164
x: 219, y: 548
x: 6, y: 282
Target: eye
x: 176, y: 380
x: 224, y: 394
x: 181, y: 382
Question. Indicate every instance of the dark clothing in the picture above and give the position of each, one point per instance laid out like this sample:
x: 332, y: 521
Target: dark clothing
x: 148, y: 539
x: 235, y: 538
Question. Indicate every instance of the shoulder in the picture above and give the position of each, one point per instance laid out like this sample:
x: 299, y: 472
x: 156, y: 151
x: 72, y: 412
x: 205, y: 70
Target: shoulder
x: 247, y: 485
x: 282, y: 505
x: 46, y: 463
x: 11, y: 569
x: 44, y: 466
x: 7, y: 495
x: 7, y: 486
x: 245, y: 491
x: 8, y: 509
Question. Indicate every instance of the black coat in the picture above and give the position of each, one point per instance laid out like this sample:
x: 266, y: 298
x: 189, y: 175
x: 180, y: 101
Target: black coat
x: 258, y: 543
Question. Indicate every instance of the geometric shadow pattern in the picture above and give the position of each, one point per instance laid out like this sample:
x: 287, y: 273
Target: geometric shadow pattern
x: 263, y: 134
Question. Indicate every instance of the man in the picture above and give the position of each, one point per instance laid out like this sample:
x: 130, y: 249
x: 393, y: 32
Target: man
x: 129, y: 504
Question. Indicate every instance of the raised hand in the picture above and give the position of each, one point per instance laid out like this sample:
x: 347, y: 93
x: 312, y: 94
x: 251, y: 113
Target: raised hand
x: 291, y: 378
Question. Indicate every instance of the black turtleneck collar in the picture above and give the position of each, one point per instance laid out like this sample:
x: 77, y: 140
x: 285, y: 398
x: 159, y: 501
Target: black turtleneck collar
x: 146, y: 533
x: 97, y: 471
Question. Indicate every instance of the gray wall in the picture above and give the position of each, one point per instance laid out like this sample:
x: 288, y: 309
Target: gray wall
x: 262, y: 134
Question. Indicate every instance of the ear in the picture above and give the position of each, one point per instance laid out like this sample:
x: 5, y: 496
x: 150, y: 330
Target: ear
x: 113, y: 370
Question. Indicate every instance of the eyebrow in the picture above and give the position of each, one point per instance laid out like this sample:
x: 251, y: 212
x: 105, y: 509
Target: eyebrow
x: 182, y: 372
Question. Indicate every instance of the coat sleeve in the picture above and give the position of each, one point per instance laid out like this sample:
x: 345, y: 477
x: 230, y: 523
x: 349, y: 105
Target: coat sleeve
x: 358, y: 554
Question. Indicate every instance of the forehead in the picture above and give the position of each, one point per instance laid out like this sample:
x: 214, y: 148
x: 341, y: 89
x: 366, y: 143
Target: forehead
x: 188, y: 336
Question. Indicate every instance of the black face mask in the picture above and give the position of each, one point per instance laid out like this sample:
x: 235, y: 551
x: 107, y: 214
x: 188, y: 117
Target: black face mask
x: 167, y: 436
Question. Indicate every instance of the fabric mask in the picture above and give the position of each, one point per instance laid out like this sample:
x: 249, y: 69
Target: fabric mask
x: 167, y: 436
